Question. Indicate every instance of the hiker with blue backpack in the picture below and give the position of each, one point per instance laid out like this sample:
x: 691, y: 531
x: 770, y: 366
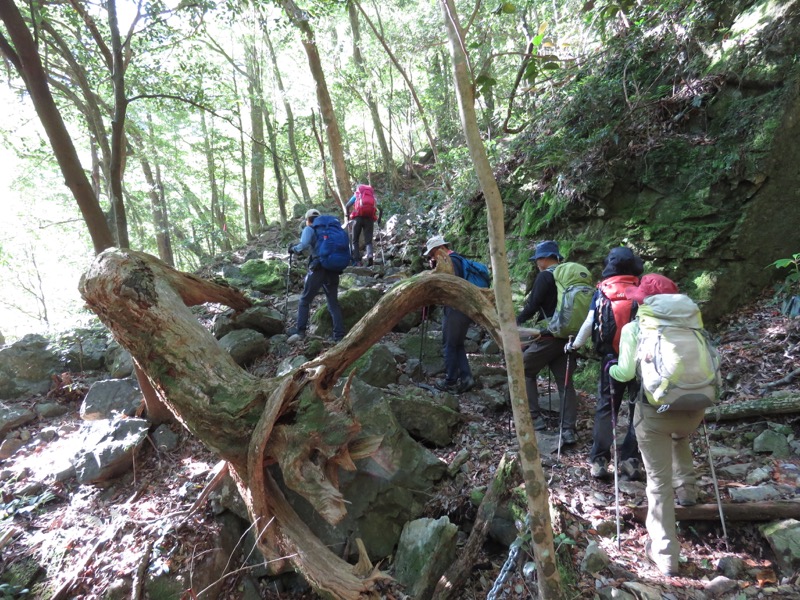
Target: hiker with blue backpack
x: 610, y: 310
x: 559, y: 302
x: 458, y: 375
x: 667, y: 347
x: 328, y: 249
x: 363, y: 210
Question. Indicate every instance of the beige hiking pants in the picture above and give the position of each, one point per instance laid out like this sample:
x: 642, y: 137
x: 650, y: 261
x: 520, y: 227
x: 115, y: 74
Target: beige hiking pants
x: 664, y: 443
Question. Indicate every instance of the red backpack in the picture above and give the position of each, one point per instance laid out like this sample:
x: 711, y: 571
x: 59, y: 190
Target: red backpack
x: 365, y: 203
x: 612, y: 312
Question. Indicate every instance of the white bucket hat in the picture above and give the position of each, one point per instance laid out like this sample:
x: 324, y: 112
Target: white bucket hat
x: 434, y: 242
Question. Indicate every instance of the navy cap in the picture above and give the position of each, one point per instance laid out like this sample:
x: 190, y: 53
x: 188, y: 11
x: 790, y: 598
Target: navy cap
x: 545, y: 249
x: 622, y: 261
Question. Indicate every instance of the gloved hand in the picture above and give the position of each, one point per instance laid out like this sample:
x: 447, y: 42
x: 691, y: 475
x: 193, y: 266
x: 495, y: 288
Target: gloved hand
x: 569, y: 347
x: 291, y: 249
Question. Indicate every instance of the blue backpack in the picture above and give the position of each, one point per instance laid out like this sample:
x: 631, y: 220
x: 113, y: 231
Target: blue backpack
x: 333, y: 244
x: 474, y: 272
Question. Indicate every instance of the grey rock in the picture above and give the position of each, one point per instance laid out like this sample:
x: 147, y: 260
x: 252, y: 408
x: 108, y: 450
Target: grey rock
x: 494, y: 400
x: 490, y: 347
x: 720, y: 585
x: 289, y: 364
x: 643, y: 591
x: 84, y: 350
x: 758, y: 493
x: 377, y: 367
x: 164, y: 439
x: 108, y: 448
x: 26, y: 367
x: 773, y: 442
x: 121, y: 363
x: 423, y: 417
x: 244, y: 345
x: 784, y: 539
x: 12, y: 417
x: 47, y: 410
x: 759, y: 475
x: 735, y: 471
x: 610, y: 593
x: 595, y: 559
x: 111, y: 397
x: 731, y: 567
x: 426, y: 549
x: 9, y: 447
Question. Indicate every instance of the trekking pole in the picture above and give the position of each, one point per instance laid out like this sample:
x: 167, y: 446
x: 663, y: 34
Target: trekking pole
x: 286, y: 299
x: 422, y: 329
x: 616, y: 461
x: 716, y: 485
x: 563, y: 403
x: 380, y: 239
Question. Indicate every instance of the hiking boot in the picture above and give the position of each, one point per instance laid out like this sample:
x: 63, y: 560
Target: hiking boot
x: 686, y: 495
x: 568, y: 437
x: 442, y: 385
x: 599, y: 468
x: 539, y: 424
x: 370, y: 262
x: 660, y: 563
x: 295, y: 335
x: 631, y: 470
x: 466, y: 385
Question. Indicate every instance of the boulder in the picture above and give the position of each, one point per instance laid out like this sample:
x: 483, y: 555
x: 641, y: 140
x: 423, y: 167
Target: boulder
x: 355, y: 304
x: 108, y: 448
x: 26, y: 367
x: 12, y: 417
x: 377, y: 366
x: 268, y: 277
x: 425, y: 418
x: 784, y: 539
x: 84, y: 350
x: 244, y: 345
x: 386, y: 491
x: 426, y: 549
x: 106, y: 399
x: 119, y: 361
x: 263, y: 319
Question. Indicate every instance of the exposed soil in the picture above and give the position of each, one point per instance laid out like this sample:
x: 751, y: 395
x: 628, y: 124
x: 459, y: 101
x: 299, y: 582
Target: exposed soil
x: 98, y: 537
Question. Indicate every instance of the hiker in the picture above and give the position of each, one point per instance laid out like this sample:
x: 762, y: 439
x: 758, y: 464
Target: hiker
x: 609, y: 311
x: 364, y: 212
x: 458, y: 375
x: 547, y: 350
x: 319, y: 277
x: 663, y: 435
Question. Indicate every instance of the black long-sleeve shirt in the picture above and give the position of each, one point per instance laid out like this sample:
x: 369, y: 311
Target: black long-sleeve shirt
x: 541, y: 302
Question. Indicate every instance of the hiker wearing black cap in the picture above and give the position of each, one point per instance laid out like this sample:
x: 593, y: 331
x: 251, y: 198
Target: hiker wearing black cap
x: 317, y: 278
x: 547, y: 350
x: 609, y: 312
x: 458, y: 375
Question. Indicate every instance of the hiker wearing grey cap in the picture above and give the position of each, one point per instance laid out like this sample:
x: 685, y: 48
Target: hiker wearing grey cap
x: 458, y: 375
x: 548, y: 351
x: 317, y: 279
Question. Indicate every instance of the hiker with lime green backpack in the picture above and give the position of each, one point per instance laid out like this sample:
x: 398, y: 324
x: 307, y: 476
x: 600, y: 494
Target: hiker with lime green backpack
x: 559, y: 302
x: 671, y: 353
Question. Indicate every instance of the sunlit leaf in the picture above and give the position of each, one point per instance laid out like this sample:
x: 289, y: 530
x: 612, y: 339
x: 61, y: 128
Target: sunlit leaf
x: 537, y: 40
x: 542, y: 28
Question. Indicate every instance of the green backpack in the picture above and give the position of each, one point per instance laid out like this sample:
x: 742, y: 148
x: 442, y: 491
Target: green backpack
x: 575, y: 290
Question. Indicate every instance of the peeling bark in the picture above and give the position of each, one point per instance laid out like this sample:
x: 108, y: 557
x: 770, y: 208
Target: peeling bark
x: 294, y: 422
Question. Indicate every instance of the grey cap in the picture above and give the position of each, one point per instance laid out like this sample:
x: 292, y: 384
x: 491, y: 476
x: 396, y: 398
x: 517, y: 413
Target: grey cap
x: 312, y: 212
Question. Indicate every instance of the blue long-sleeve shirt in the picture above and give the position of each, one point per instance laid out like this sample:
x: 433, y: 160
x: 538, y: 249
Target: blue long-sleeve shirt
x: 308, y: 241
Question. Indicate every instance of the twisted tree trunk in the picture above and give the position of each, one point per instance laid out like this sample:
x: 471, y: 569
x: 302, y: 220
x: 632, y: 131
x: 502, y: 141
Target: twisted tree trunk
x: 293, y: 422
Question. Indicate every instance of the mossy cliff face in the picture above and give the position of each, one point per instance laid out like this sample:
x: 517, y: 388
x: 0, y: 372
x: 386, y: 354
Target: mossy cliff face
x: 684, y: 146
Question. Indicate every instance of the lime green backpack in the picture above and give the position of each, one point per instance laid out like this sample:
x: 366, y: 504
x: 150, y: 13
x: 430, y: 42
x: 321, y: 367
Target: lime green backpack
x: 575, y: 290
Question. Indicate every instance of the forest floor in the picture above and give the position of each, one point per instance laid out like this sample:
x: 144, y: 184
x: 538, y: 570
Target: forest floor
x: 140, y: 519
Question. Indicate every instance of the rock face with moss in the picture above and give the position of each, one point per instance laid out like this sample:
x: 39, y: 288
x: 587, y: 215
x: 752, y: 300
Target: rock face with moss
x: 682, y: 142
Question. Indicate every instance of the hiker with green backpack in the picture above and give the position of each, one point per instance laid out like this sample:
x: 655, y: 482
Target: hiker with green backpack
x: 559, y: 301
x: 667, y: 347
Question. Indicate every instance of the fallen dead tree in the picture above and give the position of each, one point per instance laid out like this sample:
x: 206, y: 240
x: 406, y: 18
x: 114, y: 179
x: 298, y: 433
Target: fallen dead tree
x: 293, y: 421
x: 779, y: 404
x: 733, y: 511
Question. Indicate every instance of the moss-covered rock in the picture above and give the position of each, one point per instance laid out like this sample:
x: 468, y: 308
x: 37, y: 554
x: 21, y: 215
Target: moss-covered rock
x: 268, y: 277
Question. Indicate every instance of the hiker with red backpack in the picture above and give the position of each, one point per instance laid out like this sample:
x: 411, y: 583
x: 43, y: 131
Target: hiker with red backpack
x: 609, y: 311
x: 364, y: 213
x: 668, y: 349
x: 328, y: 247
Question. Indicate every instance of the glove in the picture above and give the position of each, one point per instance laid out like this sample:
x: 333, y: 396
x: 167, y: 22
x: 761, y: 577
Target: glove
x: 569, y: 347
x: 291, y: 249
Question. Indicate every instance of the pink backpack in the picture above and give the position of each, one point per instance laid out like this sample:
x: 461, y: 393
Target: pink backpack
x: 365, y: 203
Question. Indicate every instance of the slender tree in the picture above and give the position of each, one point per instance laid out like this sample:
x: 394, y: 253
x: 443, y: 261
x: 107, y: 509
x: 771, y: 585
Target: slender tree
x: 23, y: 55
x: 300, y: 19
x: 535, y: 483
